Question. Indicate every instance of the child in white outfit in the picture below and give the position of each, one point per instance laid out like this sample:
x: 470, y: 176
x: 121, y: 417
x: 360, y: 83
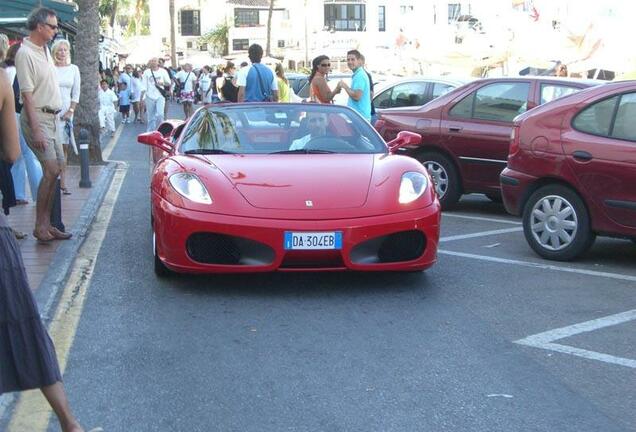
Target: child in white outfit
x: 107, y: 101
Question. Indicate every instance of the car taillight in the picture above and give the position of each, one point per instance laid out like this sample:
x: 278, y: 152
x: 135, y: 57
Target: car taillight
x: 514, y: 141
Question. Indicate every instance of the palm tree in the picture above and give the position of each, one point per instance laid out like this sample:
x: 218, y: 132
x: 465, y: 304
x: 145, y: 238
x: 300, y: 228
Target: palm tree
x: 268, y: 51
x: 218, y: 38
x: 88, y: 63
x: 173, y: 39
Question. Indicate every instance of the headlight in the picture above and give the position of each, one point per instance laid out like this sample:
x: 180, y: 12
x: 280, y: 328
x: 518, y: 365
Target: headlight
x: 412, y: 186
x: 189, y: 186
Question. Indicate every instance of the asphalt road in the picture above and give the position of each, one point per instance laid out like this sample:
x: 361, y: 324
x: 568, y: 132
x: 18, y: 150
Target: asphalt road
x: 434, y: 351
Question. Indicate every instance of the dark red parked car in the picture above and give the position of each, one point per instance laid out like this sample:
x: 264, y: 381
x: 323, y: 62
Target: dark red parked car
x: 572, y: 170
x: 466, y: 132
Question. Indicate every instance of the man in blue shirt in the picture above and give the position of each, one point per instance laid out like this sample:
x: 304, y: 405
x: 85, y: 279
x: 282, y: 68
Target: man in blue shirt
x: 360, y: 90
x: 259, y: 84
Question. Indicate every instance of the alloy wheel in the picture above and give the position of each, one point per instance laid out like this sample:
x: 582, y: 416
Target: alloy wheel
x: 439, y: 176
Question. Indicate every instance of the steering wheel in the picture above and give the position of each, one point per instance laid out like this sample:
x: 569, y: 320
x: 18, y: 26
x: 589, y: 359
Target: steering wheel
x: 328, y: 143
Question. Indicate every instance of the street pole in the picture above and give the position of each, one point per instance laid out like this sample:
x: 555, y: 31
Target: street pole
x: 84, y: 140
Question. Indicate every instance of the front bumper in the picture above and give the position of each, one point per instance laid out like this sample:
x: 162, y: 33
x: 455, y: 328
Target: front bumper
x: 258, y: 242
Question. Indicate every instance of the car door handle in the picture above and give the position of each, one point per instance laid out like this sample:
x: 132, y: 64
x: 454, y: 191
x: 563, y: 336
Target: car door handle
x: 582, y: 155
x: 454, y: 129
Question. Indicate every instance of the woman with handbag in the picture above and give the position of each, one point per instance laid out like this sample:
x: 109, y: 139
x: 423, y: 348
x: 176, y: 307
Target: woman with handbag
x: 186, y: 80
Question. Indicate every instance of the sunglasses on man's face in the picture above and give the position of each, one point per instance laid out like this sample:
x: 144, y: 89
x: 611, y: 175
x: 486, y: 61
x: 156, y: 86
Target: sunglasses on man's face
x: 51, y: 26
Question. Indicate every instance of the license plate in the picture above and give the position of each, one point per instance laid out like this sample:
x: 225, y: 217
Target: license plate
x: 313, y: 240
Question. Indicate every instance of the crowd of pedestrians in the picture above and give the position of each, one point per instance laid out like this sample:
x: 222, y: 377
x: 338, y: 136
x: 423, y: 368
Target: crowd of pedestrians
x: 148, y: 88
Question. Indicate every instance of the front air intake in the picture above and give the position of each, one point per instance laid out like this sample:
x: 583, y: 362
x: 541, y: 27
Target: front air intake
x: 222, y: 249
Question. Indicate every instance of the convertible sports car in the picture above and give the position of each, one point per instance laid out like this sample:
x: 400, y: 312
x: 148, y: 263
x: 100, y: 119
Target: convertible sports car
x: 288, y: 187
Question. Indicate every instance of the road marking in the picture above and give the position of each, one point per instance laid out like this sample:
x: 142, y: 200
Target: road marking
x: 32, y: 412
x: 480, y: 234
x: 480, y: 218
x: 546, y: 340
x: 530, y: 264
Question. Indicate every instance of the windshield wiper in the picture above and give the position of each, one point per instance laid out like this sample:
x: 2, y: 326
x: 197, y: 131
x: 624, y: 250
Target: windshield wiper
x: 303, y: 151
x: 207, y: 151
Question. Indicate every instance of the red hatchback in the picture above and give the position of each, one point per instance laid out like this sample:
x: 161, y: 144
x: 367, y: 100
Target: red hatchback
x: 466, y: 132
x: 572, y: 170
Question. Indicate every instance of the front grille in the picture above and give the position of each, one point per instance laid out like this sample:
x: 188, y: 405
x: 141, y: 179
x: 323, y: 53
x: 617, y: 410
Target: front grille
x: 222, y: 249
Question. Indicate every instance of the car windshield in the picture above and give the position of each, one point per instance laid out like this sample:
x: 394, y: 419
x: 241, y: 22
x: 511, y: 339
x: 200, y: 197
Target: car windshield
x: 279, y: 128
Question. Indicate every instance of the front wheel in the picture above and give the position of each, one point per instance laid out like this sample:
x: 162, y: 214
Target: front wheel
x: 556, y: 223
x: 444, y: 175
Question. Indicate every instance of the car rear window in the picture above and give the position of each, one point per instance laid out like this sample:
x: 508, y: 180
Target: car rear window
x: 440, y: 89
x: 625, y: 124
x: 550, y: 92
x: 596, y: 119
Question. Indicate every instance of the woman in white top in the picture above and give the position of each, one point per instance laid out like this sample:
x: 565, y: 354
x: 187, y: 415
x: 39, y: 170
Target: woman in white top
x: 68, y: 76
x: 135, y: 91
x: 205, y: 81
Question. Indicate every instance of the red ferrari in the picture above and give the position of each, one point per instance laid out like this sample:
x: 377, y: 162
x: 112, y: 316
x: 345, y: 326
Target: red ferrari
x: 287, y: 187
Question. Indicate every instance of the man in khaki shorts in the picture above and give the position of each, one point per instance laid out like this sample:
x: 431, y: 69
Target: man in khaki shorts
x: 40, y: 93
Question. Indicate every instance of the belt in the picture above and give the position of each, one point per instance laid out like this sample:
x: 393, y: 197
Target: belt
x: 50, y: 111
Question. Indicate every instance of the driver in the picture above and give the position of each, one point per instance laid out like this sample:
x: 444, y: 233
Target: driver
x: 317, y: 128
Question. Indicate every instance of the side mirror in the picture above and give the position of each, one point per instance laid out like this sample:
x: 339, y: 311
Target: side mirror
x: 155, y: 139
x: 404, y: 139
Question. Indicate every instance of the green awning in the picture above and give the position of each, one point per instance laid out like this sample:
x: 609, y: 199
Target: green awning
x: 13, y: 13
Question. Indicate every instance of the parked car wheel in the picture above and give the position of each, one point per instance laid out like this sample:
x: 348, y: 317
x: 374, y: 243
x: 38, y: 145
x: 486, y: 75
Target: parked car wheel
x: 556, y: 223
x: 444, y: 175
x: 159, y: 267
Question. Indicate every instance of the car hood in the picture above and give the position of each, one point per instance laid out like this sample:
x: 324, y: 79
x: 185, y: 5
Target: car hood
x: 298, y: 181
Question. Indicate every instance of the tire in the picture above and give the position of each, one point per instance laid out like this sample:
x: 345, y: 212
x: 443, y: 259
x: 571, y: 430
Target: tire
x: 160, y: 269
x: 556, y: 223
x: 444, y: 175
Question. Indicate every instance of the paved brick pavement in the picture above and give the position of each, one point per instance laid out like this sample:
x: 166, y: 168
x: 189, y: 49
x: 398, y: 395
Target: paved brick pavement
x: 37, y: 257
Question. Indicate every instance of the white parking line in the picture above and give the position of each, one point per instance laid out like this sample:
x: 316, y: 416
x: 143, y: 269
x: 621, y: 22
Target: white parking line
x: 618, y: 276
x: 480, y: 218
x: 479, y: 234
x: 546, y: 340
